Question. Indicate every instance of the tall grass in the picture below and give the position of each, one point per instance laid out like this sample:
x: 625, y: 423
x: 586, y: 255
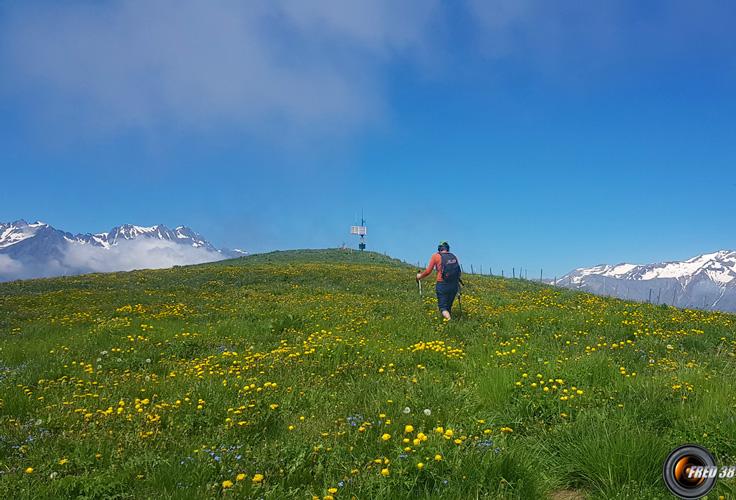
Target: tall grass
x: 280, y: 376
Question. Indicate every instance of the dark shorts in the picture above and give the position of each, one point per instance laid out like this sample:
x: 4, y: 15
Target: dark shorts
x: 445, y: 295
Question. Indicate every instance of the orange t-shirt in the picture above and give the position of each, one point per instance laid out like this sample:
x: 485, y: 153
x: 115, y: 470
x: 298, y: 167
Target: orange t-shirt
x: 435, y: 262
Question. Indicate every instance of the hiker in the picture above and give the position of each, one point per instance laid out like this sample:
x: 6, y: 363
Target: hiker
x: 448, y: 277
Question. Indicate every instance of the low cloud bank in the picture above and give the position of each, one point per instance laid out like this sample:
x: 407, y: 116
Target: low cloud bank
x: 125, y: 256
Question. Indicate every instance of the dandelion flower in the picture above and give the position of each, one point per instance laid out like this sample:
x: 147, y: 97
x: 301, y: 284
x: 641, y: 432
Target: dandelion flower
x: 438, y: 458
x: 409, y: 428
x: 385, y: 472
x: 29, y: 470
x: 258, y: 478
x: 227, y: 484
x: 420, y: 466
x: 332, y: 490
x: 386, y: 437
x: 240, y: 477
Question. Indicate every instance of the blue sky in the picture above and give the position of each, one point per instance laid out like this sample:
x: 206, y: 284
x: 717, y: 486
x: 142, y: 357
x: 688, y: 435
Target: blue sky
x: 528, y: 134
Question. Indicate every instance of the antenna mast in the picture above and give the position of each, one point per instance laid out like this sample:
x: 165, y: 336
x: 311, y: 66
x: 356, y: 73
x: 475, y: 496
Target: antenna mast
x: 361, y: 231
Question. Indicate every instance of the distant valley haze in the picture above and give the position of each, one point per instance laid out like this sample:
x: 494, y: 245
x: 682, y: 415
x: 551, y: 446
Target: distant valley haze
x: 34, y: 250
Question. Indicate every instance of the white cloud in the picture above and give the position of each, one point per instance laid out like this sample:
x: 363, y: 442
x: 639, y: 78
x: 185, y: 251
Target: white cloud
x: 139, y: 253
x: 289, y: 68
x: 193, y: 64
x: 125, y: 256
x: 9, y: 267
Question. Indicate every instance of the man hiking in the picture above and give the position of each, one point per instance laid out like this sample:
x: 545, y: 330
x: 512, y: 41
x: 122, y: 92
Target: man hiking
x: 448, y: 277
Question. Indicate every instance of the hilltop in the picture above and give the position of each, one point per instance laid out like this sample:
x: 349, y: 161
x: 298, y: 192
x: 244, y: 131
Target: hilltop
x: 329, y: 256
x: 301, y: 373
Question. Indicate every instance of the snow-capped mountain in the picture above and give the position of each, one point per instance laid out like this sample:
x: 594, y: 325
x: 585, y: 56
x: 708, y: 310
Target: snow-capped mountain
x: 15, y: 232
x: 38, y: 249
x: 706, y: 281
x: 180, y: 234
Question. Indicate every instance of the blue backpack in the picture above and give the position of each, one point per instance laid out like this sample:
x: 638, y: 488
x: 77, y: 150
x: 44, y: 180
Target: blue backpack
x: 450, y: 268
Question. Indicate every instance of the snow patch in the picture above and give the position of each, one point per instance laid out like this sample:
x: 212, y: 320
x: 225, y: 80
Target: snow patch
x: 15, y: 232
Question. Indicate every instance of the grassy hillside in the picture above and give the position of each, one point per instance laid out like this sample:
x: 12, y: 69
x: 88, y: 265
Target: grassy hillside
x: 300, y: 374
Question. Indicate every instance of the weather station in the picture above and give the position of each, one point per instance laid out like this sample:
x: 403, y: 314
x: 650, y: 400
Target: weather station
x: 361, y: 231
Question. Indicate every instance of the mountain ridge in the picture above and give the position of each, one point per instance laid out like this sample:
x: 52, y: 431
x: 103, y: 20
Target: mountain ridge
x: 706, y: 281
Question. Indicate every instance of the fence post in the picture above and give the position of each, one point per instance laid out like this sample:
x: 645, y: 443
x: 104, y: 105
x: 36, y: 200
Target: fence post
x: 513, y: 272
x: 502, y: 273
x: 650, y: 296
x: 471, y: 269
x: 540, y: 275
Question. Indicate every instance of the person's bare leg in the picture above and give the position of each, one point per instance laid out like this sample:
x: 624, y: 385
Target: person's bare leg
x: 446, y: 315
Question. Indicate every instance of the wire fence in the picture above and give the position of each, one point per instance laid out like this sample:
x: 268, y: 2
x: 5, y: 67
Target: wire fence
x: 661, y: 294
x: 521, y: 273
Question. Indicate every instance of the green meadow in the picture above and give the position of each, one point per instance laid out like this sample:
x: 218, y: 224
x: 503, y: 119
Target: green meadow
x: 323, y: 374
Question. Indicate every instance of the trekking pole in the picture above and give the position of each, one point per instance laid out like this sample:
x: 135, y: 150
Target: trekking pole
x: 460, y: 298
